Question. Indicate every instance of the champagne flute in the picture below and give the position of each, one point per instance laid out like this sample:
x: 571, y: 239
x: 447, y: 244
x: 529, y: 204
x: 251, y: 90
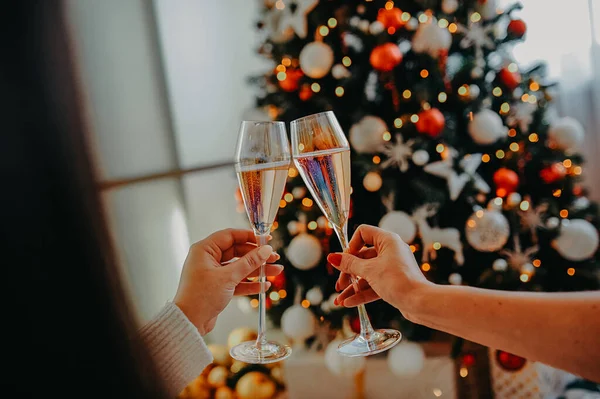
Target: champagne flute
x: 262, y: 162
x: 322, y: 156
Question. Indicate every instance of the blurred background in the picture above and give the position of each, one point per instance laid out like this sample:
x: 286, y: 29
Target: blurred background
x: 166, y: 85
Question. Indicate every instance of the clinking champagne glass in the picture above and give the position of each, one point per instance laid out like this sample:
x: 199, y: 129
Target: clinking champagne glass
x: 262, y: 162
x: 322, y: 156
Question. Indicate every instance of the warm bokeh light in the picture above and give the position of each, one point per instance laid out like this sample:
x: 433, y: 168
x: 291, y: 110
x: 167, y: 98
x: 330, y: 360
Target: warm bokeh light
x: 485, y: 158
x: 425, y: 267
x: 288, y: 197
x: 557, y: 193
x: 339, y: 91
x: 414, y: 118
x: 286, y: 61
x: 346, y: 61
x: 452, y: 28
x: 376, y: 160
x: 282, y: 293
x: 567, y: 163
x: 564, y: 213
x: 282, y: 203
x: 292, y: 172
x: 307, y: 202
x: 323, y: 30
x: 497, y: 91
x: 512, y: 132
x: 475, y: 17
x: 398, y: 123
x: 332, y: 22
x: 437, y: 246
x: 514, y: 147
x: 440, y: 148
x: 537, y: 262
x: 464, y: 372
x: 387, y: 136
x: 315, y: 87
x: 254, y: 303
x: 533, y: 137
x: 500, y: 154
x: 305, y: 303
x: 443, y: 23
x: 524, y: 205
x: 571, y: 271
x: 524, y: 278
x: 442, y: 97
x: 534, y: 86
x: 406, y: 94
x: 424, y: 73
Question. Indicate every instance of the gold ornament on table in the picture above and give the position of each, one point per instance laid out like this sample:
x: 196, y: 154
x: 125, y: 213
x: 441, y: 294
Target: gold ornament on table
x: 240, y: 335
x: 255, y: 385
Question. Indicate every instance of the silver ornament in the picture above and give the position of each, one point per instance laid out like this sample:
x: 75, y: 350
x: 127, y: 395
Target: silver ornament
x: 455, y: 279
x: 477, y: 72
x: 552, y: 223
x: 514, y: 199
x: 376, y: 28
x: 487, y: 231
x: 420, y: 157
x: 578, y: 240
x: 474, y: 91
x: 500, y: 265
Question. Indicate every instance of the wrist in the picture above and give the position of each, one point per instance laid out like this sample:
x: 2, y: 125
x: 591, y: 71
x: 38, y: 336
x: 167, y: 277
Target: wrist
x: 417, y: 299
x: 200, y: 326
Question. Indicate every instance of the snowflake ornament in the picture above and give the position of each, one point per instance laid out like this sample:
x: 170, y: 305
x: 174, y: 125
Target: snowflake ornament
x: 398, y: 153
x: 533, y: 218
x: 521, y: 114
x: 478, y: 36
x: 295, y: 17
x: 371, y: 86
x: 457, y: 181
x: 517, y: 258
x: 352, y: 41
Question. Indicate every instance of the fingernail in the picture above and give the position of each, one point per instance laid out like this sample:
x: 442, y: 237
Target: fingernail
x: 267, y: 285
x: 265, y: 251
x: 335, y: 259
x: 277, y: 256
x: 335, y: 301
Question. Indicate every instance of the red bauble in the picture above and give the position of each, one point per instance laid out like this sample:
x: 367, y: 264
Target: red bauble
x: 509, y: 79
x: 553, y: 173
x: 385, y: 57
x: 355, y: 324
x: 305, y: 92
x: 391, y: 18
x: 268, y: 303
x: 510, y: 362
x: 291, y: 81
x: 431, y: 122
x: 277, y: 282
x: 517, y: 28
x: 468, y: 360
x: 506, y: 179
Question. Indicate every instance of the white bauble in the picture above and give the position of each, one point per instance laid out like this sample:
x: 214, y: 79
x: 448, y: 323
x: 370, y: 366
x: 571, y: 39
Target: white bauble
x: 487, y: 231
x: 552, y: 222
x: 449, y: 6
x: 366, y: 136
x: 364, y: 25
x: 474, y: 91
x: 400, y: 223
x: 331, y: 301
x: 339, y: 71
x: 500, y: 265
x: 431, y: 39
x: 376, y: 28
x: 455, y: 279
x: 299, y: 192
x: 293, y: 227
x: 566, y: 133
x: 342, y: 365
x: 476, y: 72
x: 420, y: 157
x: 316, y: 59
x: 298, y: 323
x: 514, y: 199
x: 412, y: 24
x: 486, y: 8
x: 406, y: 359
x: 314, y: 296
x: 486, y: 127
x: 325, y: 307
x: 304, y: 251
x: 578, y: 240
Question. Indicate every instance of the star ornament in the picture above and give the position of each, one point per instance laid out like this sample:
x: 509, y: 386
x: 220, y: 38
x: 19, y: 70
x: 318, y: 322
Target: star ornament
x: 398, y: 153
x: 457, y: 181
x: 477, y: 36
x: 521, y: 114
x: 294, y: 15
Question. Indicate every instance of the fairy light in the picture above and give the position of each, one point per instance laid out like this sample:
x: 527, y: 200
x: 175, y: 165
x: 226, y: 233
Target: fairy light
x: 423, y: 18
x: 376, y: 160
x: 280, y: 68
x: 254, y: 303
x: 514, y: 147
x: 332, y: 22
x: 443, y: 23
x: 391, y: 30
x: 532, y: 99
x: 405, y: 16
x: 424, y: 73
x: 274, y: 296
x: 305, y: 304
x: 339, y: 91
x: 557, y: 193
x: 498, y: 201
x: 442, y: 97
x: 414, y: 118
x: 479, y: 213
x: 346, y: 61
x: 312, y: 225
x: 497, y: 91
x: 512, y: 132
x: 425, y: 267
x: 288, y: 197
x: 524, y: 277
x: 387, y: 136
x: 281, y: 76
x: 398, y: 123
x: 571, y: 271
x: 389, y: 5
x: 462, y: 90
x: 567, y: 163
x: 452, y: 28
x: 307, y: 202
x: 286, y: 61
x: 464, y: 372
x: 279, y: 5
x: 564, y: 213
x: 500, y: 154
x: 440, y: 148
x: 282, y: 203
x: 315, y: 87
x: 525, y: 97
x: 323, y: 30
x: 471, y: 223
x: 504, y: 108
x: 413, y: 249
x: 537, y: 262
x: 512, y: 67
x: 577, y: 170
x: 533, y: 137
x: 406, y: 94
x: 282, y: 293
x: 524, y: 205
x: 292, y: 172
x: 437, y: 392
x: 485, y: 158
x: 437, y: 246
x: 534, y: 86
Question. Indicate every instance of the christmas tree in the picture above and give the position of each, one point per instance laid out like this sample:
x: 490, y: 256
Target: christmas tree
x: 455, y: 147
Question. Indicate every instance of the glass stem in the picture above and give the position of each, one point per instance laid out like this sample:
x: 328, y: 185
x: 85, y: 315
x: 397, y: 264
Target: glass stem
x: 261, y: 340
x: 366, y: 329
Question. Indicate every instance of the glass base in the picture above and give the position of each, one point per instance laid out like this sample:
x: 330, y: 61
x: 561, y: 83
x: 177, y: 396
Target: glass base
x: 377, y: 342
x: 272, y: 352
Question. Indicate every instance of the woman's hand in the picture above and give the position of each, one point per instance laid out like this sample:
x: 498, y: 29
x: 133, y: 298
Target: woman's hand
x: 388, y: 270
x: 206, y: 285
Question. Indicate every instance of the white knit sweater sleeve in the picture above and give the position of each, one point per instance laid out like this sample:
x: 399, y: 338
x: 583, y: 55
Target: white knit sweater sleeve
x: 177, y: 348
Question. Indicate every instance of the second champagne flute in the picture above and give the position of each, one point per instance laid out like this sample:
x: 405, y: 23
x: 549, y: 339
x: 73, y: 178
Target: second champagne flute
x: 262, y: 162
x: 322, y: 156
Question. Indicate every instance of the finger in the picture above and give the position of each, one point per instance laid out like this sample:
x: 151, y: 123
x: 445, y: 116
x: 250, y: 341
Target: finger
x: 239, y: 250
x: 250, y: 288
x: 365, y: 235
x: 361, y: 298
x: 349, y: 263
x: 217, y: 243
x: 248, y: 263
x: 367, y: 253
x: 270, y: 271
x: 363, y: 285
x: 342, y: 282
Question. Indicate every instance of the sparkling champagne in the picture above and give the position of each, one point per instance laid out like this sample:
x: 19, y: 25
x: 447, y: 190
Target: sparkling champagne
x: 262, y: 187
x: 327, y: 176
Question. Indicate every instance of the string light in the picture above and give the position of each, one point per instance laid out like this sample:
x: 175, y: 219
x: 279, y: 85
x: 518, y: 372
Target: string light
x: 307, y: 202
x: 514, y: 147
x: 533, y: 137
x: 557, y: 193
x: 479, y: 213
x: 464, y: 372
x: 452, y: 28
x: 387, y: 136
x: 414, y: 118
x: 398, y: 123
x: 312, y: 225
x: 498, y: 201
x: 389, y: 5
x: 443, y: 23
x: 577, y: 170
x: 275, y: 226
x: 512, y: 132
x: 440, y: 148
x: 564, y: 213
x: 288, y: 197
x: 339, y: 91
x: 323, y: 30
x: 282, y: 294
x: 279, y: 5
x: 437, y: 246
x: 442, y: 97
x: 346, y: 61
x: 497, y: 91
x: 524, y: 205
x: 567, y: 163
x: 571, y: 271
x: 512, y: 67
x: 406, y: 94
x: 305, y: 304
x: 437, y: 392
x: 424, y: 73
x: 282, y: 203
x: 462, y: 90
x: 525, y: 97
x: 280, y: 68
x: 425, y: 267
x: 499, y: 154
x: 532, y: 99
x: 537, y: 262
x: 524, y: 278
x: 405, y: 16
x: 254, y: 303
x: 413, y: 249
x: 376, y: 160
x: 475, y: 17
x: 504, y: 108
x: 534, y: 86
x: 485, y: 158
x: 315, y: 87
x: 274, y: 296
x: 391, y: 30
x: 423, y: 18
x: 292, y: 172
x: 286, y: 61
x: 281, y: 76
x: 471, y: 223
x: 332, y: 22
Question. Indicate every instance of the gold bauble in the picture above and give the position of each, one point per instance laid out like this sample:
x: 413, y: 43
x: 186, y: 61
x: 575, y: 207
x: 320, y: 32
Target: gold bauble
x: 255, y: 385
x: 240, y: 335
x: 197, y: 389
x: 218, y: 376
x: 277, y: 374
x: 237, y: 366
x: 224, y: 393
x: 220, y: 354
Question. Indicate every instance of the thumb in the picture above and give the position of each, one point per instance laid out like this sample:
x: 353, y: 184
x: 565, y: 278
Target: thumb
x: 249, y: 262
x: 348, y: 263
